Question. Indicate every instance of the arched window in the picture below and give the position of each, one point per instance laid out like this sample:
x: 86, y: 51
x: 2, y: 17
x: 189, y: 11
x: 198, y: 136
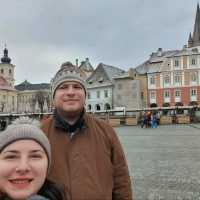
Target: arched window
x: 107, y: 106
x: 153, y: 105
x: 98, y: 107
x: 89, y: 107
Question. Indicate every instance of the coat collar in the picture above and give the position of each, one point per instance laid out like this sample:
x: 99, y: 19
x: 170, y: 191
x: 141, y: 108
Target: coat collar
x: 62, y: 124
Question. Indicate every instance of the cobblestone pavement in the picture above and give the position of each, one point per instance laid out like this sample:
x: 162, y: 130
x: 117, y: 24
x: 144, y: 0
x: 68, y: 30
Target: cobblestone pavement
x: 164, y: 163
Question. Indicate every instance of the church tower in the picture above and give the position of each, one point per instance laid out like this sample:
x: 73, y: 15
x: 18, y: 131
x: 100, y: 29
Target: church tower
x: 6, y: 68
x: 194, y: 40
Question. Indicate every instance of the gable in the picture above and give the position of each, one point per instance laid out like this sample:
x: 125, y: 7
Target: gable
x: 99, y: 75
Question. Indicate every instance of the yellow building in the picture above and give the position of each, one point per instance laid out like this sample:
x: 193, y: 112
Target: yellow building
x: 8, y: 94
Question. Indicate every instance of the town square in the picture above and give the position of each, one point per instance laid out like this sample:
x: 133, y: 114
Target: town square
x: 100, y: 100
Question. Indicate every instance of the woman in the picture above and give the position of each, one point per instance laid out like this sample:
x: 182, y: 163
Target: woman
x: 25, y: 159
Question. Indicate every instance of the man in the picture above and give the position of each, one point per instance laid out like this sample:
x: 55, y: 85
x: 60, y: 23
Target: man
x: 87, y: 156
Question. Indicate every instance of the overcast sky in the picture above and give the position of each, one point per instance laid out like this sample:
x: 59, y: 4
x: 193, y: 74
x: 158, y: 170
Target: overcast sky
x: 42, y: 34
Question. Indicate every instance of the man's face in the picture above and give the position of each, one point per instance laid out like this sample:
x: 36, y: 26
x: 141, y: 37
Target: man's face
x: 69, y: 97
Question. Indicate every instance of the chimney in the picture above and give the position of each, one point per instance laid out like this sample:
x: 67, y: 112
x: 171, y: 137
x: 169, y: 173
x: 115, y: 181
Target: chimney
x: 131, y: 72
x: 159, y: 52
x: 184, y: 47
x: 77, y: 62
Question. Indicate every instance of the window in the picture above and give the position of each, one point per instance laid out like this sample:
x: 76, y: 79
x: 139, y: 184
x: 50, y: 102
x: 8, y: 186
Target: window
x: 166, y: 79
x: 98, y: 107
x: 100, y: 79
x: 89, y: 107
x: 193, y: 92
x: 10, y: 72
x: 2, y: 71
x: 166, y: 94
x: 193, y: 62
x: 152, y: 80
x: 98, y: 94
x: 177, y: 93
x: 193, y: 77
x: 105, y: 93
x: 177, y: 78
x: 107, y: 106
x: 176, y: 63
x: 152, y: 95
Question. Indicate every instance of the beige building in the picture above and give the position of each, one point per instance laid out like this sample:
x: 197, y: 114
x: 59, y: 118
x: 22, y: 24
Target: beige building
x: 22, y: 98
x: 8, y: 94
x: 33, y: 98
x: 127, y: 92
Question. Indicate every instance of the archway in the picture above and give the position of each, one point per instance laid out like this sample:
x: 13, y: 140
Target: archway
x: 153, y: 105
x: 107, y: 106
x: 98, y: 107
x: 179, y: 110
x: 165, y: 112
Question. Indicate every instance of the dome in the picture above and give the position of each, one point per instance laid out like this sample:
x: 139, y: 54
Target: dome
x: 5, y: 58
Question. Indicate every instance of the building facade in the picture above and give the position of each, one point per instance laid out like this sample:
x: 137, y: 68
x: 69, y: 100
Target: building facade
x: 100, y: 87
x: 8, y: 94
x: 127, y: 91
x: 33, y: 98
x: 173, y: 77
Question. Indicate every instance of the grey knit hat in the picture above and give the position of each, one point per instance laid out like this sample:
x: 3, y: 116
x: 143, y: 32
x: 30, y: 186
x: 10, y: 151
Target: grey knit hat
x: 67, y: 72
x: 25, y: 128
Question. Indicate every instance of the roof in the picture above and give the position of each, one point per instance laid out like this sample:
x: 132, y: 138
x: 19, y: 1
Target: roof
x: 111, y: 71
x: 29, y: 86
x: 86, y: 66
x: 154, y: 63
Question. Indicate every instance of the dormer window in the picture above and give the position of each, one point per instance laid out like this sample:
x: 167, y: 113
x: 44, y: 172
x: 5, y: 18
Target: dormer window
x: 90, y: 81
x: 100, y: 80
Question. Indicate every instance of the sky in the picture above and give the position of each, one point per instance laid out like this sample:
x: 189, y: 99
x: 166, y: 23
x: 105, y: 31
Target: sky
x: 42, y: 34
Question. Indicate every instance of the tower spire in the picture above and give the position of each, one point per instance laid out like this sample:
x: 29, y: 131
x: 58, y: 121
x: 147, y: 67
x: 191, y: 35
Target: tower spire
x: 196, y: 33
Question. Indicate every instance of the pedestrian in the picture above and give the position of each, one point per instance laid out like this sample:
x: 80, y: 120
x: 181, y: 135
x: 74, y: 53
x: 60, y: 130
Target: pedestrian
x: 3, y: 124
x: 87, y: 156
x: 25, y: 160
x: 154, y: 120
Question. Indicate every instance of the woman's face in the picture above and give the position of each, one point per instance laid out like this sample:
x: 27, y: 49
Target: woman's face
x: 23, y: 167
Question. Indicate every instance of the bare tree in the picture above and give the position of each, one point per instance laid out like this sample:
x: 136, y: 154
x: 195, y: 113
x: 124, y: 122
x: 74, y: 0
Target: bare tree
x: 40, y: 97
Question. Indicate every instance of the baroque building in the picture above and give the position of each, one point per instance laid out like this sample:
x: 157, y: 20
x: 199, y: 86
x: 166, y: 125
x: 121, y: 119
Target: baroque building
x: 8, y: 94
x: 33, y: 98
x: 173, y: 77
